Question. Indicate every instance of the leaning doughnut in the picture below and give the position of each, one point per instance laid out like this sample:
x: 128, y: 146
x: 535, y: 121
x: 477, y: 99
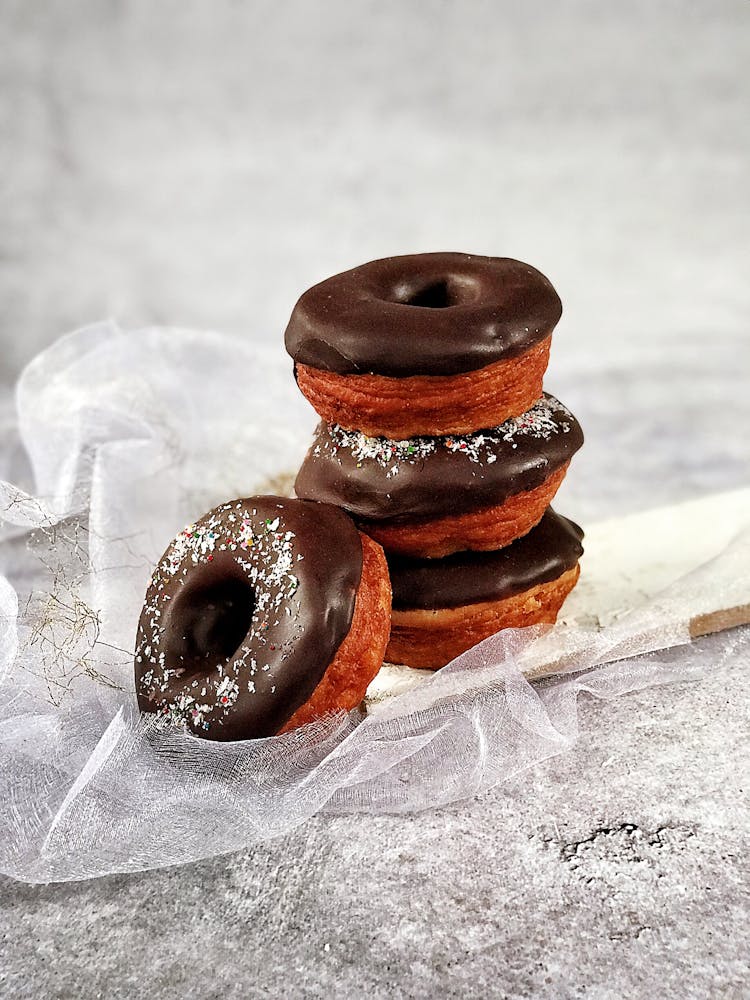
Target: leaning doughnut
x: 431, y: 496
x: 442, y: 607
x: 441, y: 343
x: 263, y: 615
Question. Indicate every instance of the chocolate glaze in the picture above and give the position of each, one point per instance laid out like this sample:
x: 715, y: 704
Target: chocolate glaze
x: 548, y: 550
x: 243, y: 614
x: 378, y: 480
x: 422, y: 314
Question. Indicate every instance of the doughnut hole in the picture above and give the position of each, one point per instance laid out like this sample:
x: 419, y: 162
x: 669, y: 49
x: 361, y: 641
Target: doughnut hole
x: 214, y: 616
x: 442, y: 293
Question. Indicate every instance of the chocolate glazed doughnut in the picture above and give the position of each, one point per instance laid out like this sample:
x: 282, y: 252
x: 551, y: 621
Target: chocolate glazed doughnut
x: 431, y: 496
x: 264, y: 614
x: 442, y: 607
x: 439, y: 343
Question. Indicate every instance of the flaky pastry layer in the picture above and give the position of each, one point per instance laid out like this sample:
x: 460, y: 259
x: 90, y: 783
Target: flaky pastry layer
x: 430, y: 639
x: 480, y: 531
x: 428, y: 404
x: 361, y: 654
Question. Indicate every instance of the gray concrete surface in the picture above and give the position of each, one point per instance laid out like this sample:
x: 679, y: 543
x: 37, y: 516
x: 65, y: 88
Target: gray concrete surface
x: 621, y: 872
x: 202, y: 164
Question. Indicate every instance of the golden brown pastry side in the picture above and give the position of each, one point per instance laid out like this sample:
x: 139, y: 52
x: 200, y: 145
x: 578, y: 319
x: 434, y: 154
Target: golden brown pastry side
x: 360, y: 655
x: 400, y: 408
x: 430, y: 639
x: 479, y: 531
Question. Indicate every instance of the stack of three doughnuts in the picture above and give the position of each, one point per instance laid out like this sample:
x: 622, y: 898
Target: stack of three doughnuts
x: 436, y: 437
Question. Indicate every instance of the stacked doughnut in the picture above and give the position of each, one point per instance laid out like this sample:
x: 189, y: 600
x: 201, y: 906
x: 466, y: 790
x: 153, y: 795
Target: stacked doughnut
x: 438, y: 440
x: 263, y: 615
x: 429, y: 481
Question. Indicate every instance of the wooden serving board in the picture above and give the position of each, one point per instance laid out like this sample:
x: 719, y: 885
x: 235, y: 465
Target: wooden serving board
x: 688, y: 565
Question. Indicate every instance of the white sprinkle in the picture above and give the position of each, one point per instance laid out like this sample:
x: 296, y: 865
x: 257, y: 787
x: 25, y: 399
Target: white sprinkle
x: 545, y: 418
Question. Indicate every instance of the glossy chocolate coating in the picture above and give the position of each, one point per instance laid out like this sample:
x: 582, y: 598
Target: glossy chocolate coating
x: 244, y: 613
x: 377, y: 480
x: 422, y: 314
x: 548, y: 550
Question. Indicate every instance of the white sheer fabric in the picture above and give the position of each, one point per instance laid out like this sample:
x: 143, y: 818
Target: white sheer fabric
x: 122, y: 438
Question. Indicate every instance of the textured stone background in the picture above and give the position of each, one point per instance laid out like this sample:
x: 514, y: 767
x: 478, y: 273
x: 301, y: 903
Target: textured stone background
x: 201, y: 164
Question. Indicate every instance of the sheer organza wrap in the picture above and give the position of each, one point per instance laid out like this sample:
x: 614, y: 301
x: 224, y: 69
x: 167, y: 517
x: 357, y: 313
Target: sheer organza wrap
x: 116, y: 441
